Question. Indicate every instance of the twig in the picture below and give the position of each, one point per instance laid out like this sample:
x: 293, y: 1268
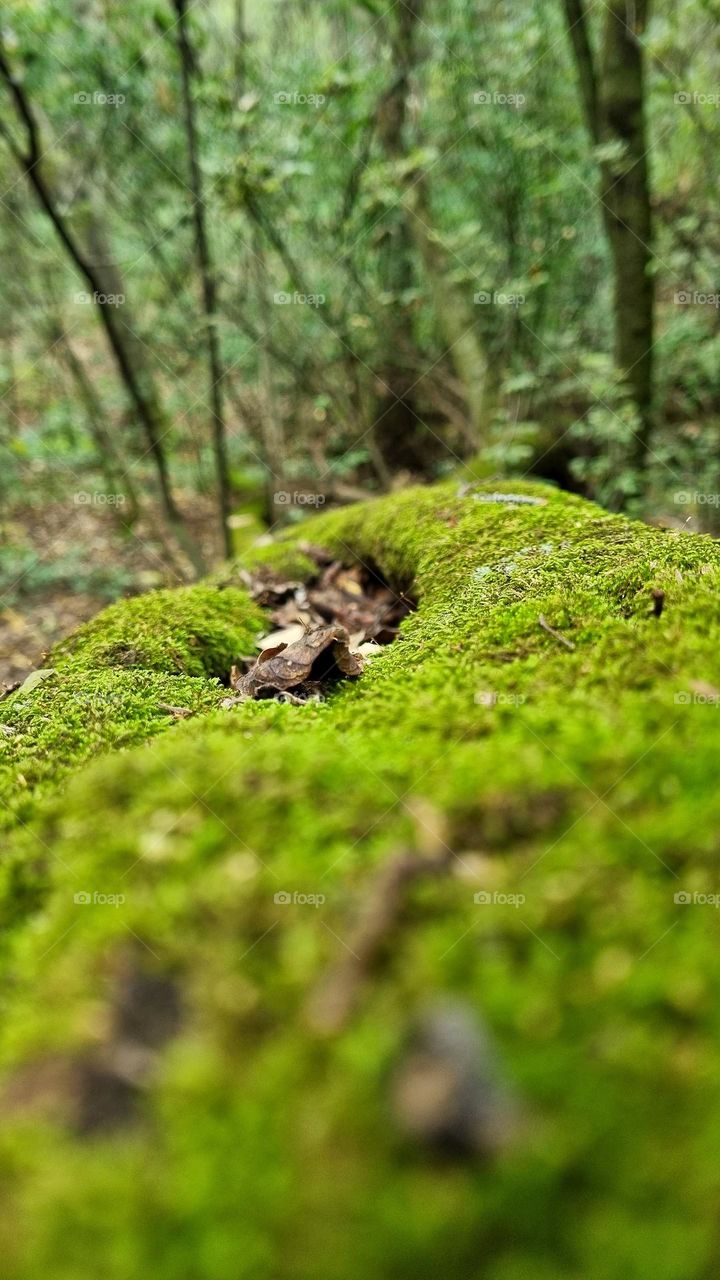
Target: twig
x: 332, y: 1002
x: 555, y: 634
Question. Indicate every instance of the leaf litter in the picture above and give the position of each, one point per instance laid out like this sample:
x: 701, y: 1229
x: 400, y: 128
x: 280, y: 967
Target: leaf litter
x: 324, y: 630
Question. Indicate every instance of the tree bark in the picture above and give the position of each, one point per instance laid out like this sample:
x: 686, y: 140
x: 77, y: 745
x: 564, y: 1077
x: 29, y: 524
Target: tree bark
x: 115, y: 473
x: 208, y: 283
x: 398, y: 429
x: 614, y: 108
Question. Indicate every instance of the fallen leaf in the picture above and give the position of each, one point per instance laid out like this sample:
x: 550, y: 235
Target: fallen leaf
x: 286, y: 635
x: 289, y: 666
x: 35, y: 678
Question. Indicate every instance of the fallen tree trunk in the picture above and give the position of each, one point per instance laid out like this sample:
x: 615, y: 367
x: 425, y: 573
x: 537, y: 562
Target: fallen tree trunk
x: 264, y: 957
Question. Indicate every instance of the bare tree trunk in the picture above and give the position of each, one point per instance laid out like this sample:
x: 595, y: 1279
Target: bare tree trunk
x: 116, y: 475
x: 209, y: 284
x: 456, y: 323
x: 146, y: 409
x: 398, y: 430
x: 614, y: 108
x: 271, y: 424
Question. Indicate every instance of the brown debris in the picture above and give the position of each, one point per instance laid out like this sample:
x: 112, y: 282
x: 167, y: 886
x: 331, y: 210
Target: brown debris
x: 447, y: 1091
x: 324, y: 629
x: 359, y: 601
x: 658, y: 598
x: 289, y: 666
x: 331, y: 1004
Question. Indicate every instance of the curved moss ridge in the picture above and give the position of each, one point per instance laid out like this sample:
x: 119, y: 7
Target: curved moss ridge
x: 73, y: 716
x: 114, y: 681
x: 573, y: 777
x: 196, y: 631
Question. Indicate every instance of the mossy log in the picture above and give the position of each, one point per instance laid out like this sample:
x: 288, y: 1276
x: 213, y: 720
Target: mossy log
x: 219, y: 938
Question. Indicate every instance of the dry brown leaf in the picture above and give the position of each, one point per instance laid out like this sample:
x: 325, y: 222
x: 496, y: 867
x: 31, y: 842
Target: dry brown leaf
x: 287, y: 666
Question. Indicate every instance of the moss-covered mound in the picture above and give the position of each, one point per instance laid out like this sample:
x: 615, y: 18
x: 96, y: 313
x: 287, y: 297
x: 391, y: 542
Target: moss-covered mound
x: 194, y: 631
x: 217, y: 943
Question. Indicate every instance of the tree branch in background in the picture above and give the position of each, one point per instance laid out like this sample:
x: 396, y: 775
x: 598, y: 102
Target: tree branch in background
x: 112, y: 466
x: 147, y: 412
x: 208, y: 282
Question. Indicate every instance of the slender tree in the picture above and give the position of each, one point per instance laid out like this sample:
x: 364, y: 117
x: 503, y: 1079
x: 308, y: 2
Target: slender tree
x: 398, y: 429
x: 146, y: 407
x: 612, y: 87
x: 115, y: 472
x: 208, y: 281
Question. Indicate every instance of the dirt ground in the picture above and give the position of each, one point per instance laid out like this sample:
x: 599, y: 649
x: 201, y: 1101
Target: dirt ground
x: 35, y: 614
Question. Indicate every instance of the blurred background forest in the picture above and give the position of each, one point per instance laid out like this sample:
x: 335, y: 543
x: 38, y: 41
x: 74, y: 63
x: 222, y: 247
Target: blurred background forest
x: 261, y: 256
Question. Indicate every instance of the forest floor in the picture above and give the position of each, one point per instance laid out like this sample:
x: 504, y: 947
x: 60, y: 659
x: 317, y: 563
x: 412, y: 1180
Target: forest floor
x: 61, y: 563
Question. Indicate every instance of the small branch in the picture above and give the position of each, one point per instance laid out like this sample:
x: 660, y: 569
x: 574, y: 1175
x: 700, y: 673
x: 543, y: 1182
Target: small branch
x: 555, y: 634
x: 332, y: 1002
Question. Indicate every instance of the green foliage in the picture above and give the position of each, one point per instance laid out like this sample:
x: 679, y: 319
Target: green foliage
x: 304, y: 199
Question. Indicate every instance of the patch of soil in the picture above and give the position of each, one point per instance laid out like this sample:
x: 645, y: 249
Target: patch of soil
x: 73, y: 560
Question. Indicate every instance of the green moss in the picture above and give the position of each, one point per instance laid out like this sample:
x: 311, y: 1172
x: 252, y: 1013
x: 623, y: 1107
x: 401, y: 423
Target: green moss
x: 570, y: 776
x: 195, y: 631
x: 73, y: 716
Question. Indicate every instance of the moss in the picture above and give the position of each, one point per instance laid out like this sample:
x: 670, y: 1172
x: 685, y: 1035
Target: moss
x: 73, y: 716
x: 570, y: 776
x: 195, y: 631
